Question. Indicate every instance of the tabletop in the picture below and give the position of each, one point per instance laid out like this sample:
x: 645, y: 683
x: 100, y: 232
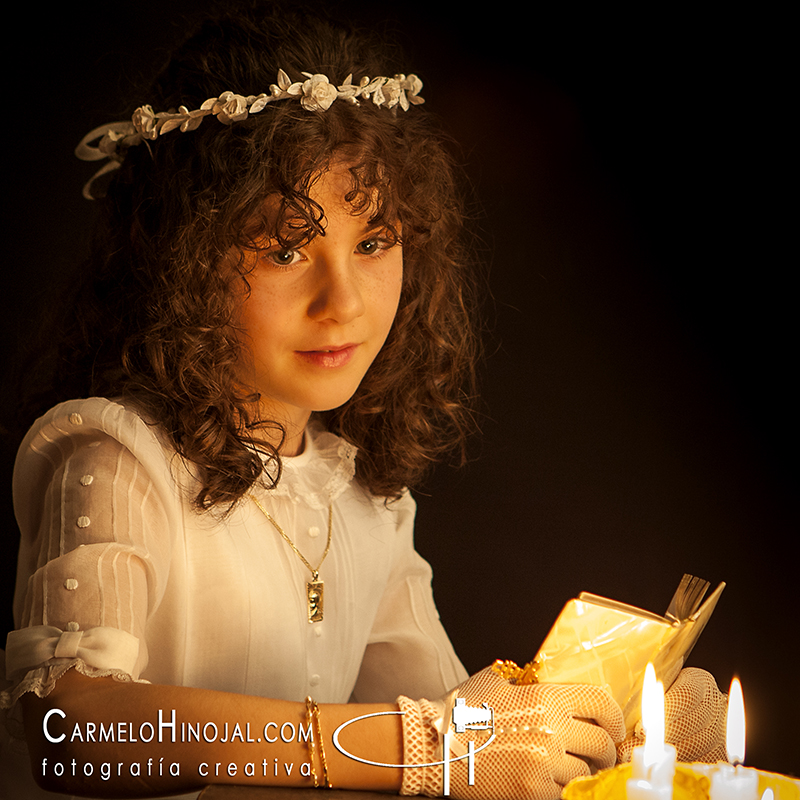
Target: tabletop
x: 283, y: 793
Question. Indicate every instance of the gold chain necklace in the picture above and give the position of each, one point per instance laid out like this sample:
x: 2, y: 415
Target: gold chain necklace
x: 315, y: 587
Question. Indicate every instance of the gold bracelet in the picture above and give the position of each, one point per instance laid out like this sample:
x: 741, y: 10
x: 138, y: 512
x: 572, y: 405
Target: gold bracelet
x: 311, y: 706
x: 312, y: 715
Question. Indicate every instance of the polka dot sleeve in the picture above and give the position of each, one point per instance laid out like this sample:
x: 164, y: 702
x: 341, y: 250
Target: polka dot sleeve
x: 94, y: 550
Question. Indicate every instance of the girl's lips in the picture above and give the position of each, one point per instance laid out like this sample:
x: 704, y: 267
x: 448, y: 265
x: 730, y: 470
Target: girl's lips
x: 328, y: 358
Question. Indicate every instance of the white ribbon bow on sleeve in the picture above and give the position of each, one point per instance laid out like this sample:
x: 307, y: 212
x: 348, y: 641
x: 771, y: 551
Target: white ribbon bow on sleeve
x: 101, y: 647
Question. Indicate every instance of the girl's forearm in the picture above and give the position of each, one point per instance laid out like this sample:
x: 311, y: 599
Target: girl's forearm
x: 97, y: 736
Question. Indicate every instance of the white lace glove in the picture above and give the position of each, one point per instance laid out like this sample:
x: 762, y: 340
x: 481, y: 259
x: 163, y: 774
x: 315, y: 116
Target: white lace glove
x: 545, y: 735
x: 695, y: 713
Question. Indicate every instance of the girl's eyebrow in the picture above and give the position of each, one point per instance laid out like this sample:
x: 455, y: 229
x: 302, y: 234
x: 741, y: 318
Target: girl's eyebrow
x: 393, y: 229
x: 378, y: 225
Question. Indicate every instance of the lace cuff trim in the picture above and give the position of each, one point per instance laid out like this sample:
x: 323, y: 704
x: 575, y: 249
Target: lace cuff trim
x: 101, y: 647
x: 42, y: 680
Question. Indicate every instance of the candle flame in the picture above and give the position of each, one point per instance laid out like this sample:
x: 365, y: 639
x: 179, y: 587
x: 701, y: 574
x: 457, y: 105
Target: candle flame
x: 736, y: 723
x: 652, y: 717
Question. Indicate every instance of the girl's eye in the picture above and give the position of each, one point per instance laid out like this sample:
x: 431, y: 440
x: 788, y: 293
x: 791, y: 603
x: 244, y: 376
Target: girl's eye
x: 373, y: 245
x: 283, y: 258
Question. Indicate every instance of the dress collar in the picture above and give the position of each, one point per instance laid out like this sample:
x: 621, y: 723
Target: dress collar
x: 321, y: 472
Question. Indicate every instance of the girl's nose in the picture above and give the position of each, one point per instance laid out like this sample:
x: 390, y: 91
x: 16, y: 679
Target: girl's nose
x: 338, y: 296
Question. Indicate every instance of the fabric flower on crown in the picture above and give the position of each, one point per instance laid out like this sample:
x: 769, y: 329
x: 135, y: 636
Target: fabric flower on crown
x: 258, y: 102
x: 285, y: 88
x: 227, y: 108
x: 392, y: 92
x: 144, y: 121
x: 318, y: 93
x: 347, y: 91
x: 373, y: 89
x: 184, y: 119
x: 412, y: 86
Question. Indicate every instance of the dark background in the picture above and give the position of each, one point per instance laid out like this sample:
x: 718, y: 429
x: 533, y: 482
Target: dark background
x: 630, y: 175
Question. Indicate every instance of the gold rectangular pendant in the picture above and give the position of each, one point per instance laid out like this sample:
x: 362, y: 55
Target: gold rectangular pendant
x: 314, y: 595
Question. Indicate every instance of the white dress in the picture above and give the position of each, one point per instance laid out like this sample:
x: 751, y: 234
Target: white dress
x: 118, y: 575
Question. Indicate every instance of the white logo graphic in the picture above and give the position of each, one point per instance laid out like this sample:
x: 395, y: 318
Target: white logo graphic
x: 476, y: 719
x: 463, y: 718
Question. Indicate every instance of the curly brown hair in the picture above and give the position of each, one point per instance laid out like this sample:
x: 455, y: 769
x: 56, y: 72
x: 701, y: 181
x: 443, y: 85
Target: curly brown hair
x: 156, y: 312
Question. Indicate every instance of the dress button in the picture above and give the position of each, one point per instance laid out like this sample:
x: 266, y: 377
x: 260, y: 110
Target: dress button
x: 76, y: 419
x: 313, y: 531
x: 83, y: 522
x: 73, y: 626
x: 70, y: 584
x: 86, y: 480
x: 318, y: 630
x: 314, y: 680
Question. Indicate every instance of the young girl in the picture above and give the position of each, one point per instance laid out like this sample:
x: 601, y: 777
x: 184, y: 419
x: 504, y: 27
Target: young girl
x: 275, y: 338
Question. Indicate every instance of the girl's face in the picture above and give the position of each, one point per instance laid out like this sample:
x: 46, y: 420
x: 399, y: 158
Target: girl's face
x: 316, y: 316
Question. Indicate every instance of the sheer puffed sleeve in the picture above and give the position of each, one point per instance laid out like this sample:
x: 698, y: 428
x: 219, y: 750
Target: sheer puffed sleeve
x: 93, y: 497
x: 408, y: 651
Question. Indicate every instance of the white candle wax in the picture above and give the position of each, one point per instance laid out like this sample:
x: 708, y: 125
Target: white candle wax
x: 653, y: 764
x: 734, y: 783
x: 653, y: 781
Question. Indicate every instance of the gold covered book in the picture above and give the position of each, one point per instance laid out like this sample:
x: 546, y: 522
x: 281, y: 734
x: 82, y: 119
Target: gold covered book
x: 600, y: 641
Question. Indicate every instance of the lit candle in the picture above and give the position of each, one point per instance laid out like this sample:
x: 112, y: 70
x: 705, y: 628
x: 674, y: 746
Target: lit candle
x: 733, y: 781
x: 653, y: 764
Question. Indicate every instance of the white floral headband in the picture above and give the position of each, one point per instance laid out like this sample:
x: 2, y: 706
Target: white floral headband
x: 316, y: 93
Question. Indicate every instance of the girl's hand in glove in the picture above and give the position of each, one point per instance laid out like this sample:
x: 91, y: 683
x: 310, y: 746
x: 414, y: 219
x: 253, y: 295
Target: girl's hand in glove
x: 545, y: 735
x: 695, y: 712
